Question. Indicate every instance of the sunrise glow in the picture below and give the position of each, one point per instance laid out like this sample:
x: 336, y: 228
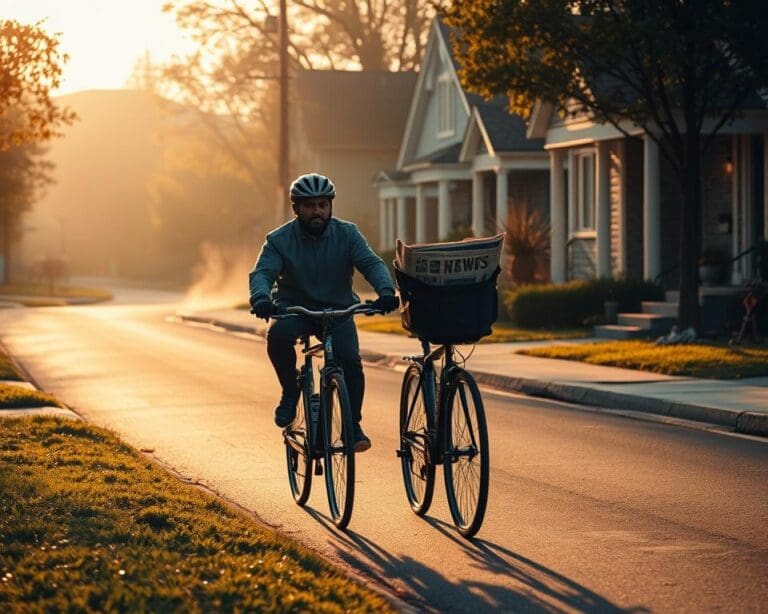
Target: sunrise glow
x: 103, y: 39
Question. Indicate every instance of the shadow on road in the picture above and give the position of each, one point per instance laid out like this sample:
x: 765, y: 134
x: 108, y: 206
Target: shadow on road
x: 519, y: 585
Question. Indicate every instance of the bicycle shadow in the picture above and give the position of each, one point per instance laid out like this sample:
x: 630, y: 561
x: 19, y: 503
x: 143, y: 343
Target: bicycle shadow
x: 523, y: 584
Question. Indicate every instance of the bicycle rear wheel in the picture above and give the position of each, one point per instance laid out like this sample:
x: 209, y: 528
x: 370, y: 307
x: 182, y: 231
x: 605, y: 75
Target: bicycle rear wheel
x: 465, y: 460
x: 339, y: 454
x: 416, y: 423
x: 298, y: 448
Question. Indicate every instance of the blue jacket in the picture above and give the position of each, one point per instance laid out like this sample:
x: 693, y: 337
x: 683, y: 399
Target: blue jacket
x: 316, y: 272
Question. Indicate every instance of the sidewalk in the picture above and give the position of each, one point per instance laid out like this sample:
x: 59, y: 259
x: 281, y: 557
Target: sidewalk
x: 738, y: 404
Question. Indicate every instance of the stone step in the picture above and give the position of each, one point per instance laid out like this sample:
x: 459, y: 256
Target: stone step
x: 616, y: 331
x: 651, y: 322
x: 660, y: 308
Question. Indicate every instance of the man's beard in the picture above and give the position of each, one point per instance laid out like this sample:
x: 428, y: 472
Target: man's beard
x: 314, y: 229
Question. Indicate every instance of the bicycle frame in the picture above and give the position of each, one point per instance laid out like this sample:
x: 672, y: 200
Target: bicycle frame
x: 436, y: 399
x: 325, y: 347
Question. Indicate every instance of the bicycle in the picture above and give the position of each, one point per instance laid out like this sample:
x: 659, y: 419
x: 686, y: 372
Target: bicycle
x: 322, y: 429
x: 442, y: 422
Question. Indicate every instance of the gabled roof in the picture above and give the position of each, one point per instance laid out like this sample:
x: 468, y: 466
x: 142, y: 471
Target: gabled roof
x: 446, y: 155
x: 353, y: 109
x: 437, y: 46
x: 507, y: 132
x: 502, y: 131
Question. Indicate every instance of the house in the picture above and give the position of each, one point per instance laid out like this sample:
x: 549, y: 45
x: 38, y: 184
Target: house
x: 624, y: 211
x: 348, y: 125
x: 615, y: 207
x: 464, y: 162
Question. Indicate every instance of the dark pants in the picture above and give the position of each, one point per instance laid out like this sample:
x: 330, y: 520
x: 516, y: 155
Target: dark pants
x: 281, y: 340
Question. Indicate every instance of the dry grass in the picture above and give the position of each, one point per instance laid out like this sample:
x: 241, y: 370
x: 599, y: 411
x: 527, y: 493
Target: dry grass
x: 89, y: 525
x: 695, y: 360
x: 61, y: 292
x: 501, y: 332
x: 17, y: 396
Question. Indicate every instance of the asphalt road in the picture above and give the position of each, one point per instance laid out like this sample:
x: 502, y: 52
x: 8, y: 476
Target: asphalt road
x: 588, y: 511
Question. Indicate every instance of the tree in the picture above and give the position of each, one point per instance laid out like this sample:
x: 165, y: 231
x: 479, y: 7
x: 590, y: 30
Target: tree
x: 24, y: 173
x: 30, y: 68
x: 233, y: 71
x: 679, y: 69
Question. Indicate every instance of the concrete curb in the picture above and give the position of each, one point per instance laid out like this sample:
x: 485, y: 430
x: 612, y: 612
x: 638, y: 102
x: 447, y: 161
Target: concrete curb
x: 749, y: 423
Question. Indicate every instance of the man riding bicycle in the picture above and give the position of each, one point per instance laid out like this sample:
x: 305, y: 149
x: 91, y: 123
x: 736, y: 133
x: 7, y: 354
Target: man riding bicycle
x: 310, y: 262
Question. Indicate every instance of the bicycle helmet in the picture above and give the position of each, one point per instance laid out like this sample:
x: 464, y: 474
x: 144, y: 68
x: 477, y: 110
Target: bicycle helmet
x: 312, y: 185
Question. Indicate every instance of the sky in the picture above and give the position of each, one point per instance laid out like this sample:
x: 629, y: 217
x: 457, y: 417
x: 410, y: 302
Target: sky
x: 104, y: 38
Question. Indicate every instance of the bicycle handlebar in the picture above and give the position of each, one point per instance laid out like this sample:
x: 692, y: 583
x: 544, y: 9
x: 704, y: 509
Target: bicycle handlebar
x: 362, y: 308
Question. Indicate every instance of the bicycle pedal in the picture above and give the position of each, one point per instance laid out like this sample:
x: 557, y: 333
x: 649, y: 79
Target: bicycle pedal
x: 318, y: 467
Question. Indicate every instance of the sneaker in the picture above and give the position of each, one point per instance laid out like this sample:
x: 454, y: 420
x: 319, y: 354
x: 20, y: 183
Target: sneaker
x: 285, y: 412
x: 360, y: 441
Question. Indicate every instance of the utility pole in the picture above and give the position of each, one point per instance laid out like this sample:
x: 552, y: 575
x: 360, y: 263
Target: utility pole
x: 283, y: 155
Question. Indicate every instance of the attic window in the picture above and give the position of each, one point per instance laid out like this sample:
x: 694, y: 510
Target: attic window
x: 446, y: 121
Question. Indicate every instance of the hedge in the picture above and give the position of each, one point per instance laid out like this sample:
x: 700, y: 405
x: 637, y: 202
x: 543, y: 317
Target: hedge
x: 576, y: 303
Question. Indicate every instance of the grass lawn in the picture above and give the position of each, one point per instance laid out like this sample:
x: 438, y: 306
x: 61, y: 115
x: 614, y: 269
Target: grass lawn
x: 695, y: 360
x: 16, y: 396
x: 44, y: 290
x: 88, y: 524
x: 501, y: 332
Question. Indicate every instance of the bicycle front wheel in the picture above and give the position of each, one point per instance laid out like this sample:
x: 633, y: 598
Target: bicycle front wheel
x: 339, y: 453
x: 416, y: 426
x: 298, y: 448
x: 465, y: 454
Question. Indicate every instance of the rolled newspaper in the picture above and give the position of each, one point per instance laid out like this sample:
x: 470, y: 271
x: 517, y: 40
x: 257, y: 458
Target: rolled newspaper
x: 450, y: 263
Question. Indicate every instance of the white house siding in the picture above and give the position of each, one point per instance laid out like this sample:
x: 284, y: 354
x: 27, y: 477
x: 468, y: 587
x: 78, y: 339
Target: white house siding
x: 583, y: 258
x: 428, y: 141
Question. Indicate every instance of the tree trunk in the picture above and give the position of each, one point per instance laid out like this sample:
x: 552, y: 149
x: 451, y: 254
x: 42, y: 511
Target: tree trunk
x: 690, y: 234
x: 5, y: 243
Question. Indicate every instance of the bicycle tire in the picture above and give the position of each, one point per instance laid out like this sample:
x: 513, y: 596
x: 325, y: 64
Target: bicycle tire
x: 339, y: 453
x: 417, y: 423
x: 299, y: 463
x: 465, y: 453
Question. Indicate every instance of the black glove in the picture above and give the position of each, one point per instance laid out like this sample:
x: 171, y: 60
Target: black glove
x: 262, y: 308
x: 386, y: 302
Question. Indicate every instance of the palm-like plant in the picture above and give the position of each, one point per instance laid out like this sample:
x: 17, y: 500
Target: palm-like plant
x: 527, y: 243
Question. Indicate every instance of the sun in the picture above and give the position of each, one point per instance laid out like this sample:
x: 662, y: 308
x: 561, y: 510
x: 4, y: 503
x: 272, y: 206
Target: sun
x: 103, y: 39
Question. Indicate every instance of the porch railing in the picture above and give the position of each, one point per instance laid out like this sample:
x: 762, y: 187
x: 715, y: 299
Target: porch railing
x: 759, y: 265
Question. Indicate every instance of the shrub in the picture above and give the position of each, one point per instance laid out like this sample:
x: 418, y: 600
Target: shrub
x: 576, y: 303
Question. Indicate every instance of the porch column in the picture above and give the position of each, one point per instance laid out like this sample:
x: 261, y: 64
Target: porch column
x: 603, y: 221
x: 557, y: 217
x: 651, y: 209
x: 421, y: 214
x: 382, y: 223
x: 478, y: 205
x: 444, y: 221
x: 502, y: 195
x: 392, y: 224
x: 573, y: 193
x: 401, y: 219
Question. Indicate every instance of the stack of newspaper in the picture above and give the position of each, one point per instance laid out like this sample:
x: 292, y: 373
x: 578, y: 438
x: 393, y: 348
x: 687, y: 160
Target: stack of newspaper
x: 457, y: 262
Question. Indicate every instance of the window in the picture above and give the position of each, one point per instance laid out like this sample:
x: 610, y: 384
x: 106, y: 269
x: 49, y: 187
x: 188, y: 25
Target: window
x: 585, y: 190
x: 446, y: 104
